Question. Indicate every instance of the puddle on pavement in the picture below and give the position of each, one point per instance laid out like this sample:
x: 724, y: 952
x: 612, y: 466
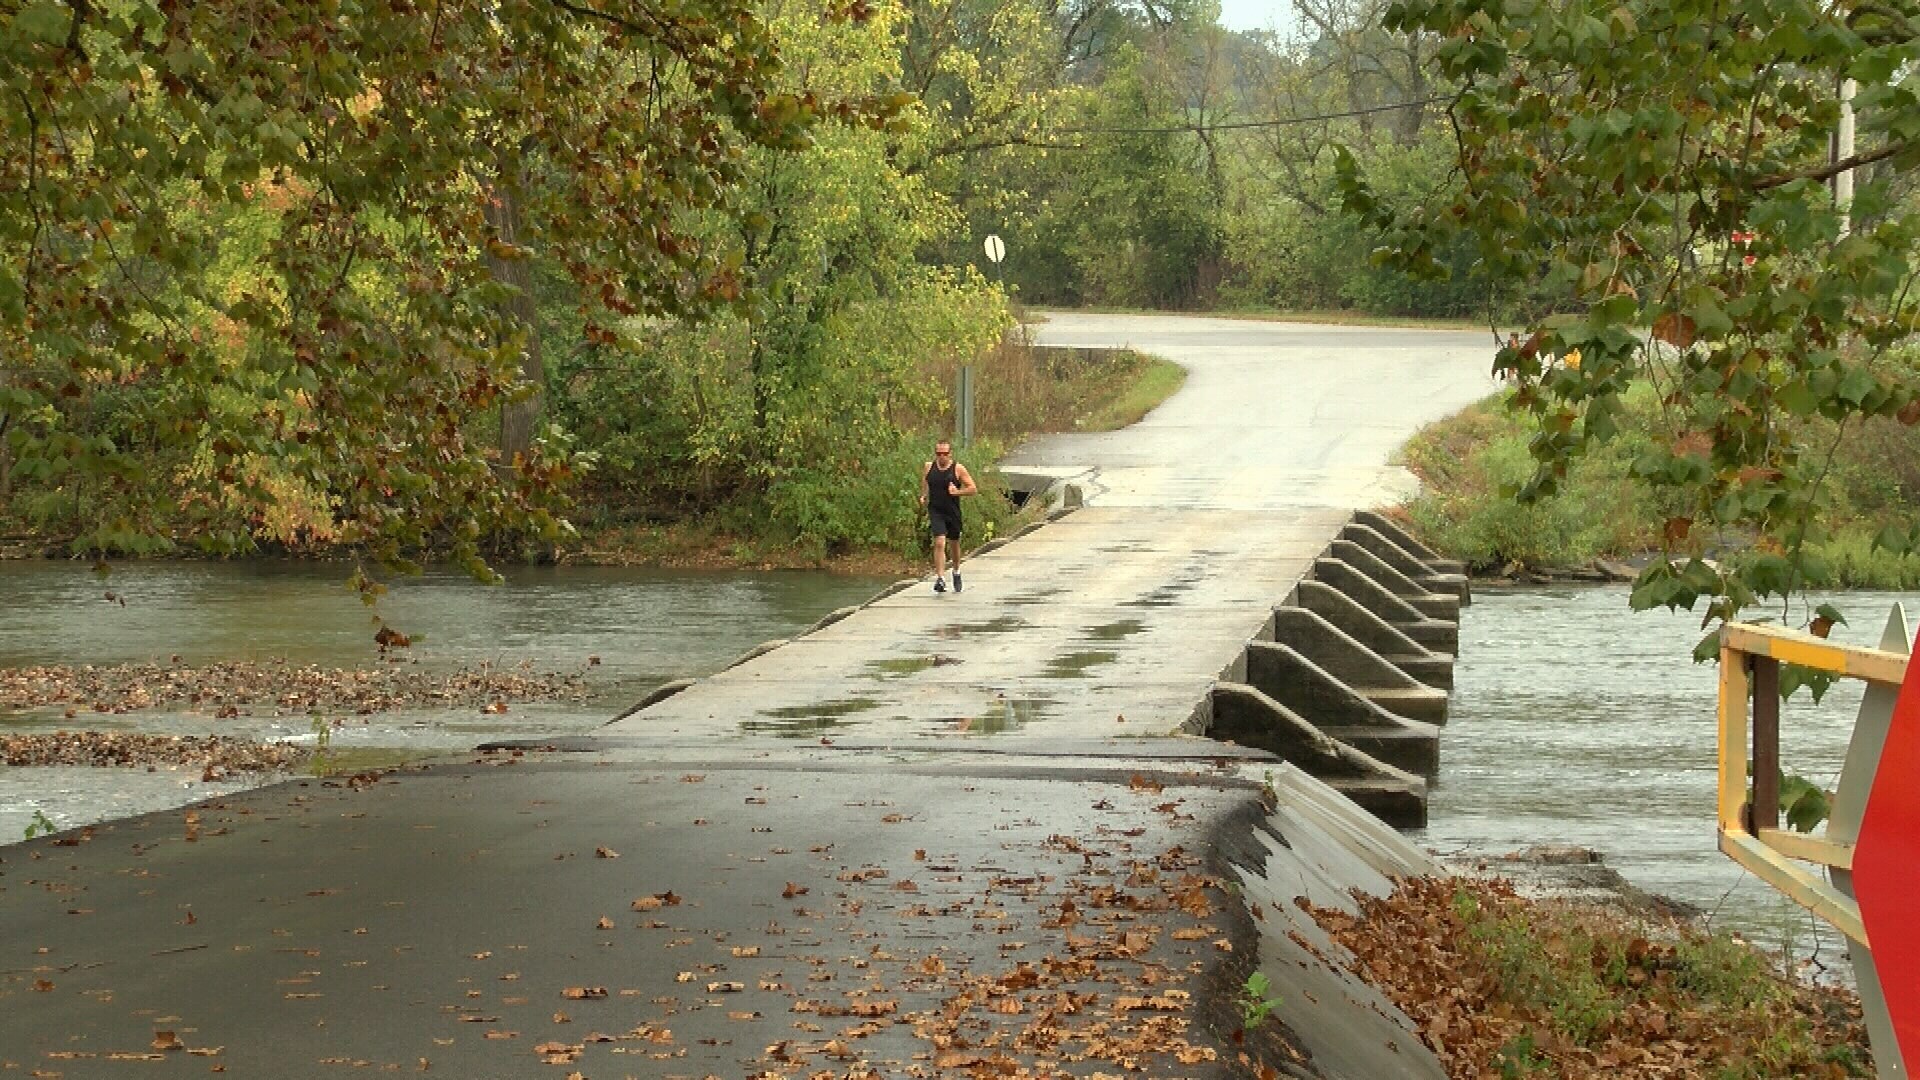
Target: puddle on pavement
x: 797, y: 720
x: 795, y: 728
x: 1164, y: 596
x: 1002, y: 716
x: 1004, y: 624
x: 1035, y: 596
x: 1075, y: 665
x: 1119, y: 630
x: 823, y: 710
x: 901, y: 667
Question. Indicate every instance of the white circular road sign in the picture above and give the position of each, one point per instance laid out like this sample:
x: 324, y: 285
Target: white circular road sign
x: 996, y: 248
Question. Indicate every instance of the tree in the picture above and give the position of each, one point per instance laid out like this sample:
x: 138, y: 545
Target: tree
x: 398, y: 161
x: 1665, y: 163
x: 794, y: 407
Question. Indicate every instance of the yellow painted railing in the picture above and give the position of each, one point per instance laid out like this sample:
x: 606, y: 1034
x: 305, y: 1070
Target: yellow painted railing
x: 1750, y: 833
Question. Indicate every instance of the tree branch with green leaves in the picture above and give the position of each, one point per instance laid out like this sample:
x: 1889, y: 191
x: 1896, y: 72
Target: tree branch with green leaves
x: 1659, y: 165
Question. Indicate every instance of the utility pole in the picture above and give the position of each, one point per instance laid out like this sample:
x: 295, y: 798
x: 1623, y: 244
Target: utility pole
x: 1842, y: 150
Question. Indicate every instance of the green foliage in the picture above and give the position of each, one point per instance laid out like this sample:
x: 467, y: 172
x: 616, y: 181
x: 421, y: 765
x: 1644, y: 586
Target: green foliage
x: 1470, y: 466
x: 260, y: 266
x: 1674, y: 190
x: 1472, y: 462
x: 1531, y: 973
x: 1723, y: 971
x: 1520, y: 1057
x: 322, y: 763
x: 1131, y: 219
x: 41, y: 825
x: 1580, y: 976
x: 1803, y: 803
x: 1255, y: 1003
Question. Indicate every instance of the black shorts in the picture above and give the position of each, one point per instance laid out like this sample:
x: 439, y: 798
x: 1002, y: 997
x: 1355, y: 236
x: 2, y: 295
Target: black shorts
x: 944, y: 522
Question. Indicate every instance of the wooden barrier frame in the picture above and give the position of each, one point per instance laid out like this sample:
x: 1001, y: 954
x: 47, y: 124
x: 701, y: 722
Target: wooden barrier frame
x: 1750, y: 833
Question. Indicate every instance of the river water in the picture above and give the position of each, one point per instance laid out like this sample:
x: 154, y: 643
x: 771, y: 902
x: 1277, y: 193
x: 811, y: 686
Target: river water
x: 1574, y: 721
x: 644, y: 627
x: 1578, y: 721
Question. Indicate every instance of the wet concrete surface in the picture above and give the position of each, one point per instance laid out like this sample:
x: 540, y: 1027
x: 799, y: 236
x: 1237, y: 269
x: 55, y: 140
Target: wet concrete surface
x: 648, y: 911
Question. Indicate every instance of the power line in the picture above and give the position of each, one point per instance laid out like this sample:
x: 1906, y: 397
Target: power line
x: 1243, y: 125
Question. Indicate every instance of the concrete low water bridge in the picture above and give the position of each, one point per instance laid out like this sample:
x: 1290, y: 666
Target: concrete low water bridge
x: 1115, y: 620
x: 938, y: 837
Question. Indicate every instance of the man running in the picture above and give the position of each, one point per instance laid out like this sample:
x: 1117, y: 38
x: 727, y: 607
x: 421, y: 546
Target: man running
x: 942, y: 482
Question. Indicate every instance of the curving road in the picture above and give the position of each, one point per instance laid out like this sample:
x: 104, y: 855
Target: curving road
x: 1272, y: 415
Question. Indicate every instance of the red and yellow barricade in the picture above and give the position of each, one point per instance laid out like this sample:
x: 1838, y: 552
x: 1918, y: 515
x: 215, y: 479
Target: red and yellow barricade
x: 1871, y: 847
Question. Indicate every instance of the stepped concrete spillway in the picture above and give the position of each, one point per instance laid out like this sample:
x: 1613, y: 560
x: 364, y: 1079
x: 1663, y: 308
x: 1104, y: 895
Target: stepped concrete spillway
x: 891, y: 846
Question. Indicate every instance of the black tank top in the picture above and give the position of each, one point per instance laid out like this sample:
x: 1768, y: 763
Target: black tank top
x: 937, y: 496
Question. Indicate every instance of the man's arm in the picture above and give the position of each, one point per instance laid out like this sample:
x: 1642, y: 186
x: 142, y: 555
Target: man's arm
x: 924, y: 470
x: 961, y: 474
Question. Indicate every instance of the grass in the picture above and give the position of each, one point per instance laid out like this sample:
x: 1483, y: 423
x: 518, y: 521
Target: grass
x: 1321, y: 318
x: 1505, y: 986
x: 1151, y: 385
x: 1470, y: 463
x: 1022, y: 389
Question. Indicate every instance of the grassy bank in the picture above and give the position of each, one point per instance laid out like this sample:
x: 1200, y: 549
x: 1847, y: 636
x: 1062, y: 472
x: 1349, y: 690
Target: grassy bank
x: 1322, y: 317
x: 1501, y: 986
x: 1470, y: 462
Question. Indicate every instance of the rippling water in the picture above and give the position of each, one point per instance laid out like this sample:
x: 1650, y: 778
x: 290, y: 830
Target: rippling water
x: 1578, y: 721
x: 645, y: 626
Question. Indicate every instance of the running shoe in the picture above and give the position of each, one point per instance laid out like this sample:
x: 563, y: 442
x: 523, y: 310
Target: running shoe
x: 939, y: 584
x: 956, y: 581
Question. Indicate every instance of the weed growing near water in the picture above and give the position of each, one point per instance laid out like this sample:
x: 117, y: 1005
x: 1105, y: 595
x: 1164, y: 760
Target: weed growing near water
x: 41, y: 825
x: 1254, y: 1002
x: 321, y: 763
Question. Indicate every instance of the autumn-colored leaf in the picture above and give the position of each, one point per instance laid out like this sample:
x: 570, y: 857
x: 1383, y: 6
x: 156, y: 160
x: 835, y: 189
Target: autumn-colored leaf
x: 1676, y: 329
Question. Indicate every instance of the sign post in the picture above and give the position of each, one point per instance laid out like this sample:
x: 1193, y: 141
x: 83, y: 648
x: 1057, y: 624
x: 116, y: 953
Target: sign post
x: 996, y: 249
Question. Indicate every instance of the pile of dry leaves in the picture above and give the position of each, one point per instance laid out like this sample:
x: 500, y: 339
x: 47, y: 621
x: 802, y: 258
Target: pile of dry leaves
x: 231, y: 689
x: 214, y: 753
x: 1501, y: 986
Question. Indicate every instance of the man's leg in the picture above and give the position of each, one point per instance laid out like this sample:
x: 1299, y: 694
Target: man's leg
x: 956, y: 558
x: 939, y: 561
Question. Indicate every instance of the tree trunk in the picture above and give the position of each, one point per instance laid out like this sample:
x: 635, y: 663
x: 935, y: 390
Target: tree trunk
x: 519, y: 418
x: 1408, y: 126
